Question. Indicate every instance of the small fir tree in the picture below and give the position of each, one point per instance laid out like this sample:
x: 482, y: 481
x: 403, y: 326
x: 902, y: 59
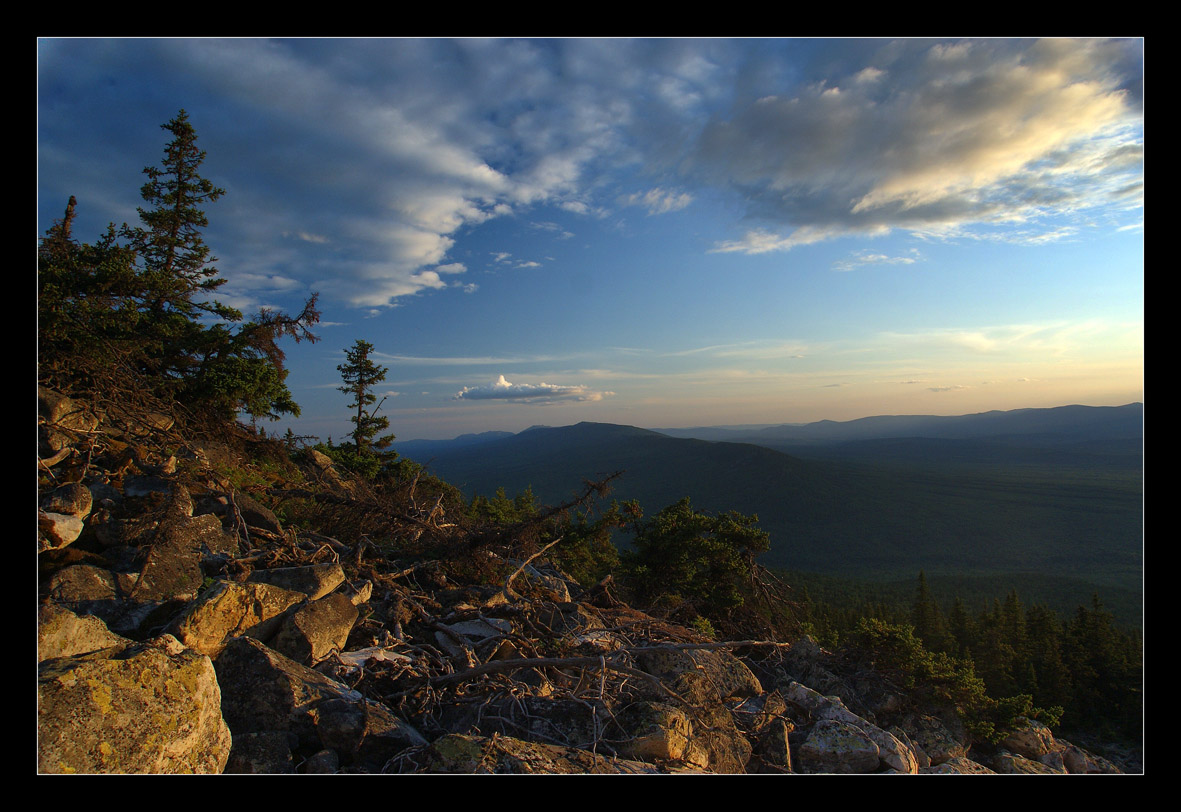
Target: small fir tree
x: 360, y: 375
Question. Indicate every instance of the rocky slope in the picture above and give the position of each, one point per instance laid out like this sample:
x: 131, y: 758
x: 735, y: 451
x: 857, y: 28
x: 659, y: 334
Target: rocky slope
x: 183, y: 627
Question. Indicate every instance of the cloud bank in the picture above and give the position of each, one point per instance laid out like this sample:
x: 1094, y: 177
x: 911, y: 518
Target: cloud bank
x: 355, y: 166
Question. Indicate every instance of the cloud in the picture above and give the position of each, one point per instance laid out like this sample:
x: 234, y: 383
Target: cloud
x: 660, y: 201
x: 502, y: 389
x: 947, y: 388
x: 861, y: 258
x: 372, y: 168
x: 961, y: 134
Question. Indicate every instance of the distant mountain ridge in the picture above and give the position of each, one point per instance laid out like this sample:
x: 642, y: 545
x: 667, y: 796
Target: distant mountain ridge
x: 1064, y: 508
x: 1062, y: 423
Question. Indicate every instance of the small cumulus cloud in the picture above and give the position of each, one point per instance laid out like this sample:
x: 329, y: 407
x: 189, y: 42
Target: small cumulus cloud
x: 660, y: 201
x: 861, y: 258
x: 305, y: 236
x: 954, y: 388
x: 557, y: 230
x: 539, y: 393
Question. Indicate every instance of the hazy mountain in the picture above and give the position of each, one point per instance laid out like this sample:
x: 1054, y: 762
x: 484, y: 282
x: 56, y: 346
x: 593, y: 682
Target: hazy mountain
x: 423, y: 450
x: 1059, y: 519
x: 1027, y: 426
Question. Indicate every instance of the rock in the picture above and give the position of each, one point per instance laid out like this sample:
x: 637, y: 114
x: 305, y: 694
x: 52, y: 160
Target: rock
x: 365, y: 734
x: 893, y: 752
x: 266, y: 752
x: 315, y: 581
x: 149, y: 708
x: 242, y: 505
x: 935, y: 740
x: 264, y: 690
x: 1029, y: 738
x: 1078, y: 761
x: 654, y: 732
x: 456, y: 753
x: 57, y: 530
x: 325, y: 762
x: 322, y: 469
x: 73, y: 499
x: 65, y: 420
x: 716, y: 743
x: 701, y: 675
x: 773, y: 745
x: 1014, y: 764
x: 838, y: 747
x: 228, y: 610
x: 87, y: 589
x: 61, y: 633
x: 314, y: 630
x: 956, y: 765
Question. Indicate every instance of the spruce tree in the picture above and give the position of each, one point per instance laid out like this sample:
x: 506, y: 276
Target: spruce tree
x: 176, y: 262
x: 131, y: 307
x: 360, y: 375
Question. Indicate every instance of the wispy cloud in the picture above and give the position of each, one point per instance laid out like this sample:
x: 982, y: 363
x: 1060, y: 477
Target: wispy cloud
x: 660, y: 201
x: 374, y: 175
x: 861, y: 258
x: 539, y: 393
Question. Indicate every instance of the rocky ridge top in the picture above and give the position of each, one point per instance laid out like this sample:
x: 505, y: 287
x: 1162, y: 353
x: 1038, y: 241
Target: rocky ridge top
x: 187, y: 625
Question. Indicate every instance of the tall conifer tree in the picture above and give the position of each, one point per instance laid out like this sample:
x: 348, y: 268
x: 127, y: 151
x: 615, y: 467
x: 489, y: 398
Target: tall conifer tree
x: 360, y: 375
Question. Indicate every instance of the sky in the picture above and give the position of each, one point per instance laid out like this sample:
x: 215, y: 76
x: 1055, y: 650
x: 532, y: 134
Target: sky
x: 652, y: 232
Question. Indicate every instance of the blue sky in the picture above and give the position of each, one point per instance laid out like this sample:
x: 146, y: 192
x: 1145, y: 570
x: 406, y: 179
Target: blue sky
x: 652, y: 232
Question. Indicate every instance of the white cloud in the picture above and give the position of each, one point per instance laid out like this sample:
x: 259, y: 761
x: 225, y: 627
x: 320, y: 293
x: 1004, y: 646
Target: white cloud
x: 861, y: 258
x: 660, y: 201
x: 374, y: 167
x: 969, y: 133
x: 502, y: 389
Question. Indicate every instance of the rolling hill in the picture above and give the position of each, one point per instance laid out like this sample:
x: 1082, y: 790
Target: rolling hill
x: 1067, y: 510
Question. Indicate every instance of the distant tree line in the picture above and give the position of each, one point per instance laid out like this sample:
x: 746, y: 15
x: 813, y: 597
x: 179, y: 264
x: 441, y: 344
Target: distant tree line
x: 1085, y: 665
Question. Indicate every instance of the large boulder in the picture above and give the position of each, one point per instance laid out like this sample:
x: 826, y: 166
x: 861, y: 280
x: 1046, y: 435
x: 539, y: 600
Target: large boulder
x: 148, y: 708
x: 315, y: 630
x: 701, y: 676
x: 228, y: 609
x: 838, y: 747
x: 262, y: 690
x: 61, y: 633
x: 895, y: 754
x: 315, y: 581
x: 1029, y: 738
x: 655, y: 732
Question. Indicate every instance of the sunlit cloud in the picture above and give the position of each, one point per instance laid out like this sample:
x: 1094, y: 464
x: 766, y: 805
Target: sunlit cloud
x: 866, y: 257
x: 966, y: 134
x: 502, y: 389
